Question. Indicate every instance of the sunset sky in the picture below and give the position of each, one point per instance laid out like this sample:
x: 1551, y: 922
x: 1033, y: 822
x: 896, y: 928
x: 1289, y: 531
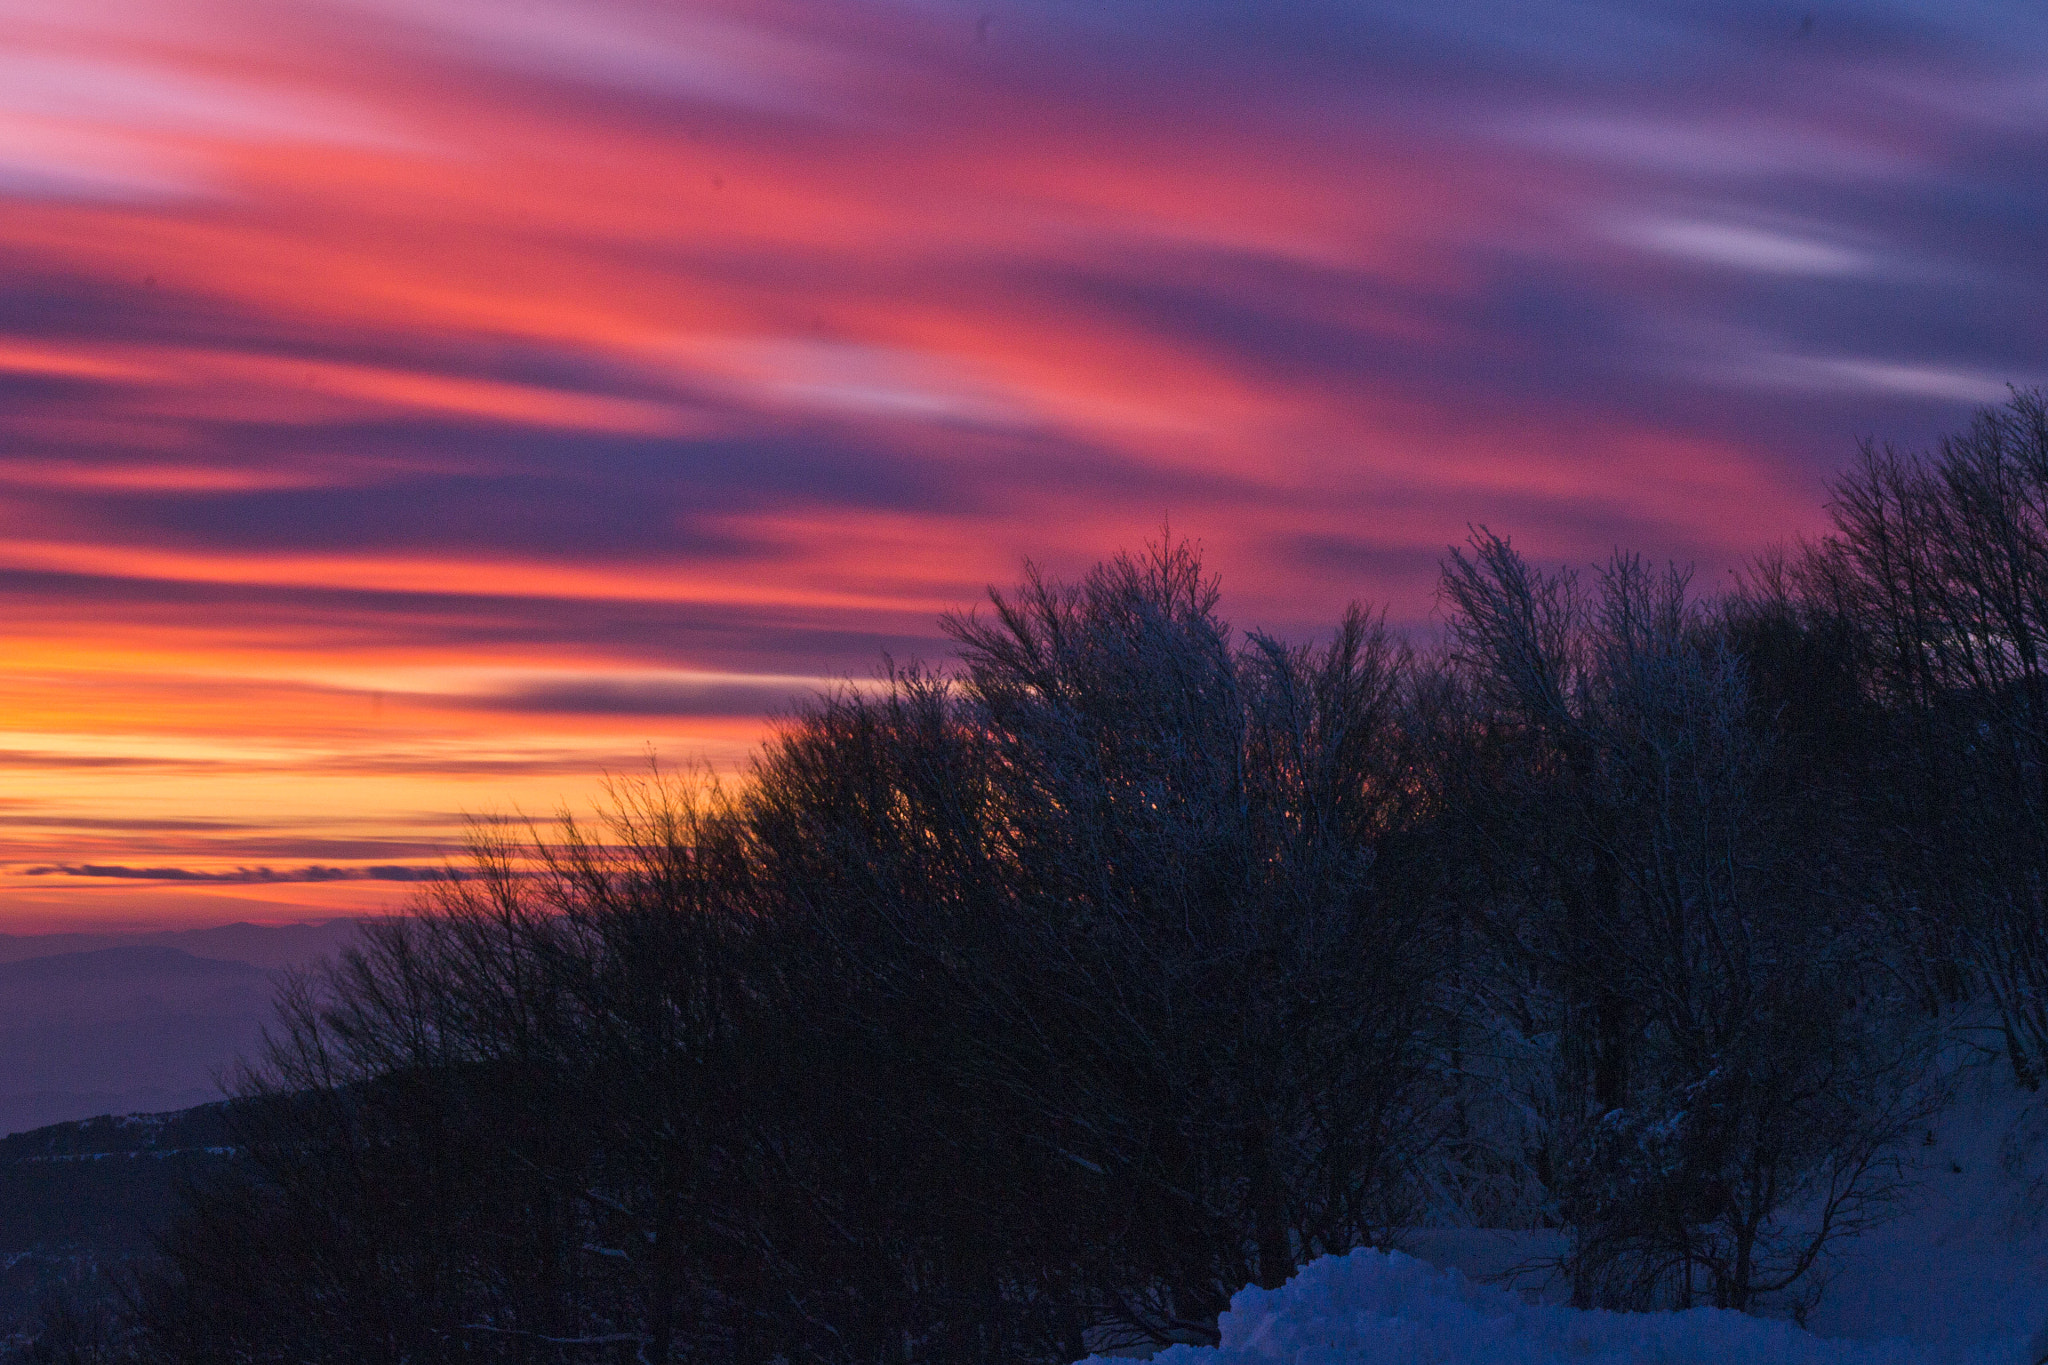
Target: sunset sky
x: 419, y: 407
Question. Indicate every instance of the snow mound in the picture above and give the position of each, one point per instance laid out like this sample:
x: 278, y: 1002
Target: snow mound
x: 1384, y: 1308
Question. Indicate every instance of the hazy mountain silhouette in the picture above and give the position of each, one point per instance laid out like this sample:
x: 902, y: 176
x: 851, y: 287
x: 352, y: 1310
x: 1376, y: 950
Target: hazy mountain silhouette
x: 264, y: 945
x: 113, y: 1024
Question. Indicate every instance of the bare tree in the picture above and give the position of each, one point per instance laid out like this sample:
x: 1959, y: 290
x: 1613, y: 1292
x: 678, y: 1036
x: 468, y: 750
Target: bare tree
x: 1941, y: 563
x: 1745, y: 1088
x: 502, y: 1128
x: 1134, y: 864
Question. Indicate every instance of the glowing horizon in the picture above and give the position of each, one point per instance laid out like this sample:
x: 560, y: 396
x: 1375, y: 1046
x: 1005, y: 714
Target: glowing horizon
x: 411, y: 408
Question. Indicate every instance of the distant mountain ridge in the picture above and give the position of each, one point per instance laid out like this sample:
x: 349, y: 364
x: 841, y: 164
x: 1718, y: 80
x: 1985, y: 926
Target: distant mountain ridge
x: 101, y: 964
x: 94, y: 1024
x: 262, y: 945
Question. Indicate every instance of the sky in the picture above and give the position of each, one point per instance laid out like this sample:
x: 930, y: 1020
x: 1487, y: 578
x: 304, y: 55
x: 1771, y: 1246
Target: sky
x: 413, y: 410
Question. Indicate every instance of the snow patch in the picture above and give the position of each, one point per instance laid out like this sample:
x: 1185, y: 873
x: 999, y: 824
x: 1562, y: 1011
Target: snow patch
x: 1386, y: 1308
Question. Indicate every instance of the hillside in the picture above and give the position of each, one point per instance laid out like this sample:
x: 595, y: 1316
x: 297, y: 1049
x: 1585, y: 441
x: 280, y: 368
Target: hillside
x: 77, y: 1200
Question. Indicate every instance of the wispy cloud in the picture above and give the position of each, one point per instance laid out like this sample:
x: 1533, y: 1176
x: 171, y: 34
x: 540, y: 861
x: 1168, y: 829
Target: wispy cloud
x: 249, y: 876
x: 1770, y: 250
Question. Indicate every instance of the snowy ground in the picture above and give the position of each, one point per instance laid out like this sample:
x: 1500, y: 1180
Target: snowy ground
x: 1967, y: 1266
x: 1386, y: 1308
x: 1960, y: 1278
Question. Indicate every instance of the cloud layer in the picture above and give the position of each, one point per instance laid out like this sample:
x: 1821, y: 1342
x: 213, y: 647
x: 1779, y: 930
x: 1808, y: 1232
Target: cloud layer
x: 422, y: 407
